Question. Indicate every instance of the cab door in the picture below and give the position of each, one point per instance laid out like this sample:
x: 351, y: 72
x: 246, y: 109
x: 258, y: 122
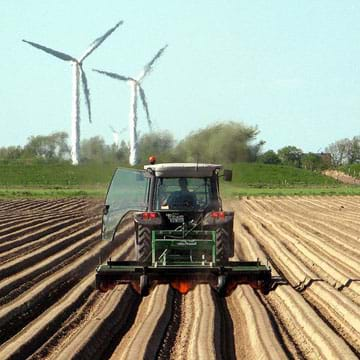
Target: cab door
x: 128, y: 191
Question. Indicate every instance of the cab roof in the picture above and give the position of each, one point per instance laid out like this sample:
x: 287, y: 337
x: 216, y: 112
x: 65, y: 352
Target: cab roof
x: 183, y: 169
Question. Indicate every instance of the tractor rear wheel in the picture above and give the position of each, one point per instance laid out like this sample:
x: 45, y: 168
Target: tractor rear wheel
x: 143, y: 243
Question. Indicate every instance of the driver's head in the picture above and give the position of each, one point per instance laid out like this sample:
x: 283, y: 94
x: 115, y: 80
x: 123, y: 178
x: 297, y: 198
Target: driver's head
x: 183, y: 183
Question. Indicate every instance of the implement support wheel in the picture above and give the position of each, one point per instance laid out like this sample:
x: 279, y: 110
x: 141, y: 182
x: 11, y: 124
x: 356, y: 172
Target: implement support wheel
x: 221, y: 285
x: 265, y: 287
x: 144, y: 285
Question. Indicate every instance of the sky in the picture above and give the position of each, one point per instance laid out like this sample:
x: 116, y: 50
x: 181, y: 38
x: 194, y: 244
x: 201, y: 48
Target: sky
x: 290, y: 68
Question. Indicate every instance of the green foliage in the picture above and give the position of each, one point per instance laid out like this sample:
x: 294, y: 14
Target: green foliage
x: 269, y: 157
x: 41, y: 178
x: 266, y: 175
x: 121, y: 154
x: 290, y: 155
x: 159, y: 144
x: 352, y: 170
x: 53, y: 146
x: 312, y: 161
x: 11, y: 152
x: 61, y: 173
x: 345, y: 151
x: 18, y: 192
x: 222, y: 142
x: 94, y: 149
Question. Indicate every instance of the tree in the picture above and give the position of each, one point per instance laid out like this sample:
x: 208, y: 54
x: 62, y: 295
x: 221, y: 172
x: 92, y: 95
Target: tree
x: 158, y: 144
x: 53, y: 146
x: 290, y: 155
x: 94, y: 149
x: 269, y: 157
x: 122, y: 153
x: 353, y: 150
x: 11, y: 152
x: 337, y: 151
x: 62, y: 149
x: 312, y: 161
x: 255, y: 150
x: 222, y: 142
x: 345, y: 151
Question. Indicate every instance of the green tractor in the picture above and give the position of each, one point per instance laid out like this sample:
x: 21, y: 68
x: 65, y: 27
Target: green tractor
x: 183, y: 235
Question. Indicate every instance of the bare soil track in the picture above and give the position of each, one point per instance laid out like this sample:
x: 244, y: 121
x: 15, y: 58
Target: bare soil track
x: 49, y: 308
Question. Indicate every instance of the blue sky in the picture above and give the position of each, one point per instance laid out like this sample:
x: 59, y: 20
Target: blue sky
x: 292, y: 68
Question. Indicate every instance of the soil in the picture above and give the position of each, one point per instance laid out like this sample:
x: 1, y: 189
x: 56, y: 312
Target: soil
x: 49, y: 308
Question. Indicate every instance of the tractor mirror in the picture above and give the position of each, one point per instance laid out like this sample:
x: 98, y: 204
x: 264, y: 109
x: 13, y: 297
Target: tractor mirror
x: 227, y: 175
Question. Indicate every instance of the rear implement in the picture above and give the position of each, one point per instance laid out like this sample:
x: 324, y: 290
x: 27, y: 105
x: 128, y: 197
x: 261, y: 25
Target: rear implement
x: 222, y: 278
x: 183, y: 260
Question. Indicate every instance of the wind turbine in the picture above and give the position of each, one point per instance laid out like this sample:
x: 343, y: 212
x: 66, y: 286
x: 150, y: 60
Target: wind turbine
x: 116, y: 136
x: 136, y: 89
x: 77, y: 72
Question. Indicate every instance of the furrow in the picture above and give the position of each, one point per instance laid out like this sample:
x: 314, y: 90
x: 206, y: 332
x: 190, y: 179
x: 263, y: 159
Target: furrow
x: 195, y: 339
x: 25, y: 306
x: 338, y: 310
x: 42, y: 231
x: 42, y: 329
x: 34, y: 257
x: 315, y: 339
x: 255, y: 335
x: 42, y: 267
x: 32, y: 226
x: 143, y: 340
x: 32, y: 246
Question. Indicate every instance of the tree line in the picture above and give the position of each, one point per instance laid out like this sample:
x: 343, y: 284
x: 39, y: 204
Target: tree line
x: 293, y: 156
x: 227, y: 142
x: 341, y: 152
x: 222, y: 142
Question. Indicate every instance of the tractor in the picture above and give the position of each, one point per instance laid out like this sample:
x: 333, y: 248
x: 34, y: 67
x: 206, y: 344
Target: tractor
x: 183, y: 236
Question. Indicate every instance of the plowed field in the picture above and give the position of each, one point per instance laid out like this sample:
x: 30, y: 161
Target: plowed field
x: 49, y: 308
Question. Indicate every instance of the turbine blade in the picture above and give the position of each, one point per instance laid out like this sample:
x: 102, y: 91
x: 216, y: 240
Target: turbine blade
x: 86, y: 92
x: 113, y: 130
x: 146, y: 108
x: 96, y: 43
x: 113, y: 75
x: 56, y: 53
x: 149, y: 65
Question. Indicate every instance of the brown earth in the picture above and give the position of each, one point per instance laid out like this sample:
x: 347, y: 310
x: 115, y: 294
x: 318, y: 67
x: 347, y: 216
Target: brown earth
x: 342, y: 177
x: 49, y: 308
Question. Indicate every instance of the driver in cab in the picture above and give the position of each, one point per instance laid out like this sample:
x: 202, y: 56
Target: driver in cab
x: 183, y: 199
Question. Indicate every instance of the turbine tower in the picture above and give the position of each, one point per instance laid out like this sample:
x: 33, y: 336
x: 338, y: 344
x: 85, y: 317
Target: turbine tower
x: 136, y: 90
x: 78, y: 72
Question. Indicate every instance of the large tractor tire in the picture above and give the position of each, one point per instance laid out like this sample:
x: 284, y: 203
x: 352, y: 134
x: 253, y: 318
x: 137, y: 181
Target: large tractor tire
x: 143, y: 243
x: 222, y: 244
